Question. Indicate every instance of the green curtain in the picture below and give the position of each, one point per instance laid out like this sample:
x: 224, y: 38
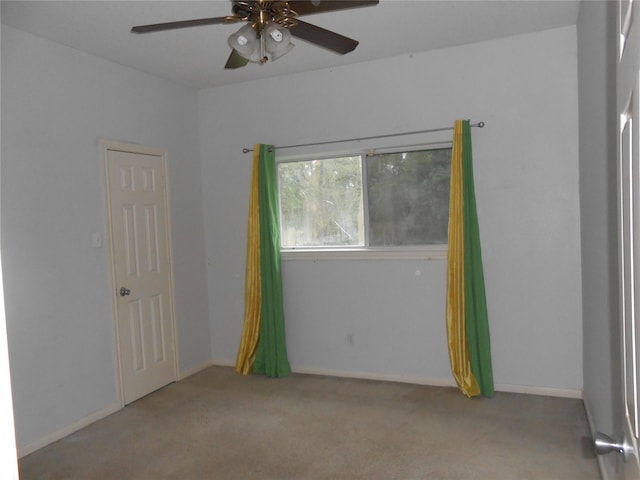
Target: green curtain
x: 264, y: 310
x: 467, y: 319
x: 477, y: 323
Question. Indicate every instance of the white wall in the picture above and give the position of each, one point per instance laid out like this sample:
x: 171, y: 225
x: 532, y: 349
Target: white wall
x: 9, y: 469
x: 598, y: 177
x: 57, y: 103
x: 526, y: 165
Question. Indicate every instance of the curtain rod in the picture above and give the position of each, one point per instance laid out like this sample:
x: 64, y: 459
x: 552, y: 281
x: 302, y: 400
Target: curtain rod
x: 375, y: 137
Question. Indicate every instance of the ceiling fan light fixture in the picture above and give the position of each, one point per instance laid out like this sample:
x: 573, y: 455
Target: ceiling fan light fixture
x: 267, y: 35
x: 277, y: 40
x: 276, y: 54
x: 246, y: 42
x: 276, y: 34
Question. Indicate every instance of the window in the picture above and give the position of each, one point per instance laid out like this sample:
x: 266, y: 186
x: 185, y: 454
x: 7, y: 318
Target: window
x: 360, y: 201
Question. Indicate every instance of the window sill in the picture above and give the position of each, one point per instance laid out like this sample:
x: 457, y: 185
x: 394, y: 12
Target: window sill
x: 438, y: 252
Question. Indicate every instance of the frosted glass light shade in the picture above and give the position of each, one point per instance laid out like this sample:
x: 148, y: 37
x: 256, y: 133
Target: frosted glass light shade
x: 277, y: 40
x: 245, y: 41
x: 276, y: 55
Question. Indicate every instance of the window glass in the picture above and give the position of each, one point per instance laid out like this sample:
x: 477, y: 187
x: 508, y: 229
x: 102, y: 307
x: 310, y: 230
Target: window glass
x: 321, y: 203
x: 408, y: 197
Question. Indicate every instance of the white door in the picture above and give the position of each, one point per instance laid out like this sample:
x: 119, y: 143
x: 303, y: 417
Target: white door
x: 139, y: 241
x: 629, y: 211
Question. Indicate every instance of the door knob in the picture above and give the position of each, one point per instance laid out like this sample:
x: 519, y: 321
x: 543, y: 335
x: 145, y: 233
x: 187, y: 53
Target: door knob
x: 605, y: 444
x: 124, y: 291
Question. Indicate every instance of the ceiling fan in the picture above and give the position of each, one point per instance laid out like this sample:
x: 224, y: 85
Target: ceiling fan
x: 270, y: 25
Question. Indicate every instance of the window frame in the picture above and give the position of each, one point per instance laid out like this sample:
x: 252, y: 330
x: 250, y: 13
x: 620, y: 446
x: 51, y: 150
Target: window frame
x: 364, y: 252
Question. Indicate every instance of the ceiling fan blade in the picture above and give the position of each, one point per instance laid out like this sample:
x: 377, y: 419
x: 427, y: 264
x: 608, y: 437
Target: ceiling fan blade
x: 235, y: 60
x: 323, y: 38
x: 307, y: 7
x: 157, y: 27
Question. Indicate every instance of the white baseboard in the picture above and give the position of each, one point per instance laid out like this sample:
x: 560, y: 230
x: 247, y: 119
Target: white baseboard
x: 68, y: 430
x: 193, y: 370
x: 223, y: 362
x: 435, y: 382
x: 430, y: 381
x: 439, y: 382
x: 545, y: 391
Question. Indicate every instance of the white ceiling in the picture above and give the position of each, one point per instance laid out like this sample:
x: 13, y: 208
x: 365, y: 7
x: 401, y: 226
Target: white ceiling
x: 195, y: 57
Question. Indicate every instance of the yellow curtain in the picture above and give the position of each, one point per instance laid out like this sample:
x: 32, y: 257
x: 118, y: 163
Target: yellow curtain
x: 252, y: 291
x: 456, y: 327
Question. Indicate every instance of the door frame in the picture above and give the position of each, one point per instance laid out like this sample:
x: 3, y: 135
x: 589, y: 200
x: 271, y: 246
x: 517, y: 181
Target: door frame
x: 627, y: 107
x: 112, y: 145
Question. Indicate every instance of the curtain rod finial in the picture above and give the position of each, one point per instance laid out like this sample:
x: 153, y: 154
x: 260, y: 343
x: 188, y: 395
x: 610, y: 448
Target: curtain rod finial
x: 246, y: 150
x: 481, y: 124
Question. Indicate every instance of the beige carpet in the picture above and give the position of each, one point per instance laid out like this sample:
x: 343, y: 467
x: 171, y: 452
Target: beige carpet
x: 220, y: 425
